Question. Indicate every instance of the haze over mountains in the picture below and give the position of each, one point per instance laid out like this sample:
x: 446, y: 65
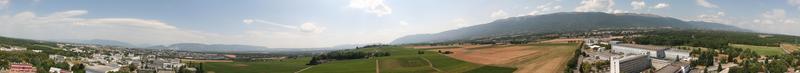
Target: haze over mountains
x: 548, y: 23
x: 564, y: 22
x: 200, y: 47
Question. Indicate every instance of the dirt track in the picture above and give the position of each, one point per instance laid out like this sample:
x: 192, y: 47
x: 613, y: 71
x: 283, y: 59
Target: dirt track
x: 788, y: 48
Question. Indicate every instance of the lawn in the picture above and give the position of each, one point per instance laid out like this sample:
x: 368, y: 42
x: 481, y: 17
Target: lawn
x: 285, y: 66
x: 761, y: 50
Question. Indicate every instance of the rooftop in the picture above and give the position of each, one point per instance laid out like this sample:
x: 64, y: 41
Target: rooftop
x: 674, y: 67
x: 647, y: 47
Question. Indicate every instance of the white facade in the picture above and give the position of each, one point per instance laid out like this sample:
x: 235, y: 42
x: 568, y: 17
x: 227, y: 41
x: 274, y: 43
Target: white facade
x: 630, y: 64
x: 631, y: 50
x: 677, y: 54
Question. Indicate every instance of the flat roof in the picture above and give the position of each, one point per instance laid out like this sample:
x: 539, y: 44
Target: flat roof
x: 646, y: 47
x: 672, y: 68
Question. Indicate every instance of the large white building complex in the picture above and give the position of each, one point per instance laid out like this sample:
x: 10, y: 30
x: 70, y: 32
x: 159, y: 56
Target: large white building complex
x: 630, y: 64
x: 658, y: 52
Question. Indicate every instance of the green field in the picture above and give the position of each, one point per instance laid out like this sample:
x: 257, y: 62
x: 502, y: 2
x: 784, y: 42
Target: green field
x: 345, y: 66
x: 402, y: 60
x: 761, y: 50
x: 491, y: 69
x: 285, y: 66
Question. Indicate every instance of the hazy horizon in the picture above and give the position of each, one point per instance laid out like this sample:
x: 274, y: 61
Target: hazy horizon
x: 325, y: 23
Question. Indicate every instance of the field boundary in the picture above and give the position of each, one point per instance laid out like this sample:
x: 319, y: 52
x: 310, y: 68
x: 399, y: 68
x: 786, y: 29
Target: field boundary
x: 430, y: 64
x: 301, y: 70
x: 377, y: 66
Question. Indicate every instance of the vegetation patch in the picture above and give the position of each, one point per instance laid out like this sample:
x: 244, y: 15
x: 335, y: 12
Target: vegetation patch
x: 276, y: 66
x: 492, y: 69
x: 761, y: 50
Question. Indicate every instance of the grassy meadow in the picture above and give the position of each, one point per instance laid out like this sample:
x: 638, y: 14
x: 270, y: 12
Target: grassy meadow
x: 761, y: 50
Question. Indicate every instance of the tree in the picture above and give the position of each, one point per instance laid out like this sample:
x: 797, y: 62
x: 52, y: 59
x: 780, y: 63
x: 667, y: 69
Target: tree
x: 62, y: 65
x: 777, y: 66
x: 314, y: 61
x: 78, y: 68
x: 719, y: 68
x: 132, y: 67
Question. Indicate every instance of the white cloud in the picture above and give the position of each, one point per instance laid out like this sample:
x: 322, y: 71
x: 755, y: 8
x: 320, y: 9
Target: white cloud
x: 547, y: 7
x: 794, y: 2
x: 774, y: 14
x: 498, y: 14
x: 305, y: 27
x: 638, y: 4
x: 4, y: 4
x: 715, y: 17
x: 459, y: 22
x: 376, y: 7
x: 404, y: 23
x: 127, y: 22
x: 705, y: 3
x: 775, y: 21
x: 67, y: 25
x: 595, y: 6
x: 248, y: 21
x: 251, y: 21
x: 310, y: 27
x: 775, y: 17
x: 661, y: 5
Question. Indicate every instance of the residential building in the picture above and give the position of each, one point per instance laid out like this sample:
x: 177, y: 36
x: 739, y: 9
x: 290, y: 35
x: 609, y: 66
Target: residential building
x: 22, y: 68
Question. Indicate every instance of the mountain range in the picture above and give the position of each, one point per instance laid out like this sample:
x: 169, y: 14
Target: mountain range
x: 564, y: 22
x: 198, y: 47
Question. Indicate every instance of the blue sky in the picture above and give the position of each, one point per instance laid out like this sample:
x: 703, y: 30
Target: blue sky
x: 322, y: 23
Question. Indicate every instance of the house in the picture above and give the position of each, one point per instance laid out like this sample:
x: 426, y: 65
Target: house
x: 11, y: 48
x: 21, y: 68
x: 630, y: 64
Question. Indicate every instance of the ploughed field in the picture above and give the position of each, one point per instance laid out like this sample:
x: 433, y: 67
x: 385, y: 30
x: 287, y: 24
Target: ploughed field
x: 543, y: 57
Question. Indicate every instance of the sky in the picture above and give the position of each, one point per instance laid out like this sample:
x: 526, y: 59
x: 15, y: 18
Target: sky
x: 325, y: 23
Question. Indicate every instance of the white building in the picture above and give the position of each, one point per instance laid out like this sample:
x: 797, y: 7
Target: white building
x: 630, y: 64
x: 11, y: 48
x: 652, y: 51
x: 677, y: 54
